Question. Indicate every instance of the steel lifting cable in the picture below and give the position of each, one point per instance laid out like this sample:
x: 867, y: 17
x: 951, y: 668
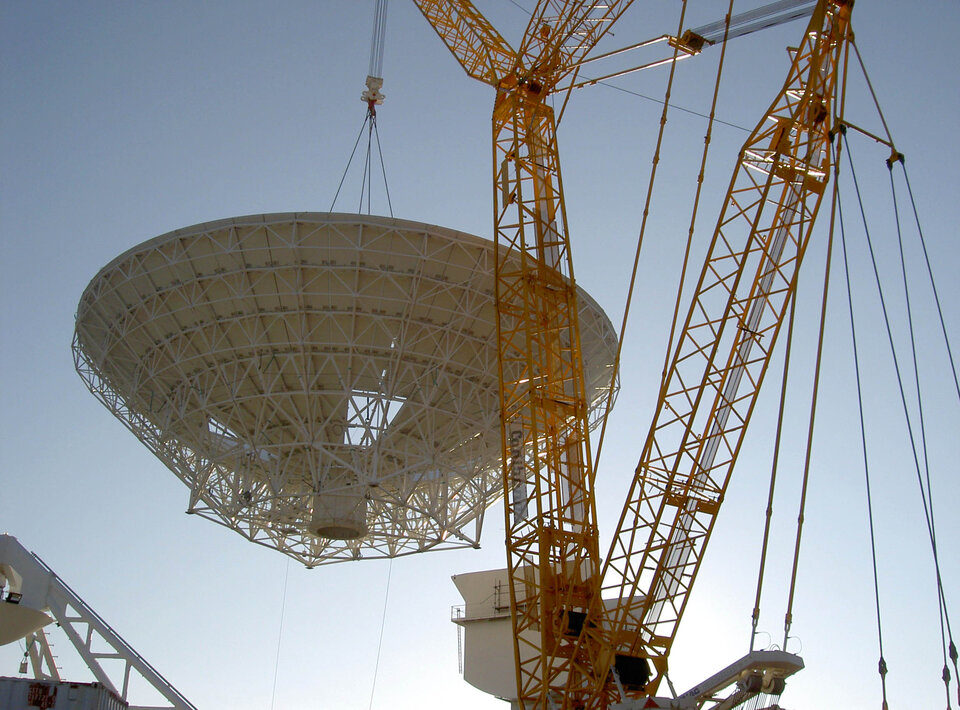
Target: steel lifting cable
x: 283, y: 607
x: 636, y: 257
x: 646, y: 213
x: 755, y: 617
x: 373, y: 98
x: 349, y: 161
x: 897, y: 157
x: 882, y: 665
x: 946, y: 632
x: 835, y: 201
x: 377, y: 42
x: 925, y: 493
x: 834, y: 210
x: 933, y: 285
x: 383, y: 621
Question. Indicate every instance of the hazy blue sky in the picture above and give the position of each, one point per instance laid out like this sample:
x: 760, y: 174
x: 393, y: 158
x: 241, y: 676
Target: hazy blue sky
x: 120, y: 121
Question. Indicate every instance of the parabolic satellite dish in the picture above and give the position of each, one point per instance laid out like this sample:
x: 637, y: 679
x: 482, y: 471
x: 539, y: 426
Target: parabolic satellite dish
x: 324, y: 384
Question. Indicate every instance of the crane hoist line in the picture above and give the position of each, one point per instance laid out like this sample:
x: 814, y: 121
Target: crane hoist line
x: 571, y: 649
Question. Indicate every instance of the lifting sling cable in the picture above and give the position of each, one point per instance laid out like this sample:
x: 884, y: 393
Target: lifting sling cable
x: 788, y: 616
x: 283, y: 607
x: 383, y: 623
x: 897, y: 157
x: 933, y: 285
x: 373, y: 98
x: 349, y: 161
x: 882, y: 665
x: 696, y: 200
x: 373, y: 132
x: 755, y: 618
x: 924, y: 491
x: 839, y: 113
x: 636, y: 257
x: 376, y: 44
x: 943, y: 328
x: 944, y: 616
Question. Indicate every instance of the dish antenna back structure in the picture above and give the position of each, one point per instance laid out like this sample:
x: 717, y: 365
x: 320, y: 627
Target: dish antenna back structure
x: 324, y: 384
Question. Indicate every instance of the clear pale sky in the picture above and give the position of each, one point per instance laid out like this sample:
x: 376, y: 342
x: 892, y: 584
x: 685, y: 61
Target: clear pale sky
x: 120, y: 121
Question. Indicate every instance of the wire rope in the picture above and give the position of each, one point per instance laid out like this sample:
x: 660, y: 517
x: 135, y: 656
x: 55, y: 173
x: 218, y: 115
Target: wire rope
x: 897, y: 157
x: 936, y: 296
x: 676, y: 107
x: 283, y: 607
x: 377, y: 42
x: 365, y: 178
x: 946, y: 632
x: 383, y: 623
x: 882, y: 664
x: 834, y: 209
x: 925, y: 494
x: 636, y: 258
x: 755, y: 618
x: 953, y: 369
x: 923, y: 432
x: 383, y: 167
x: 349, y: 162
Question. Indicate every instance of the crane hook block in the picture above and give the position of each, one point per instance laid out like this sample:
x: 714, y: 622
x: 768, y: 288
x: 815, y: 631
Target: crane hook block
x: 372, y: 95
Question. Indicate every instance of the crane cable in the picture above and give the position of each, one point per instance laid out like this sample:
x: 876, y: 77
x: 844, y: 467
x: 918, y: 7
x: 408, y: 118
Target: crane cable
x: 945, y: 628
x: 283, y: 608
x: 755, y: 617
x: 882, y: 664
x: 838, y: 113
x: 835, y: 201
x: 615, y: 370
x: 945, y: 616
x: 925, y: 490
x: 926, y: 493
x: 383, y: 622
x: 373, y: 98
x: 897, y: 157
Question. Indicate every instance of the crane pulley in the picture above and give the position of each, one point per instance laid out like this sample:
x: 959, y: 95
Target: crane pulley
x: 372, y: 94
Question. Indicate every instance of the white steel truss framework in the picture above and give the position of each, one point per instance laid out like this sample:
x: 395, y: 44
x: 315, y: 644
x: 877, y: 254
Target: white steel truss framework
x: 293, y: 367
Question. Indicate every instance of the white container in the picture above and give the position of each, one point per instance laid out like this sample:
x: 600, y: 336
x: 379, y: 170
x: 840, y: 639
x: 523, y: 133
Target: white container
x: 30, y: 694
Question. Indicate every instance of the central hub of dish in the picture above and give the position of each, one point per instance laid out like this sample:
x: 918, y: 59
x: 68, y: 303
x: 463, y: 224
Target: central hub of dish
x: 339, y: 516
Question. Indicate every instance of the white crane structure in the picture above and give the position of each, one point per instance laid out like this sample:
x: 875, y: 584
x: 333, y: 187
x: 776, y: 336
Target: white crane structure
x: 33, y: 595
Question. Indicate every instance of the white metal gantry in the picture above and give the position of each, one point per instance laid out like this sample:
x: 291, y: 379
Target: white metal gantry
x: 32, y: 591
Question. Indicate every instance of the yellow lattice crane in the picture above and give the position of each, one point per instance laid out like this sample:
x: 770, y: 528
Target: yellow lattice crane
x: 570, y: 650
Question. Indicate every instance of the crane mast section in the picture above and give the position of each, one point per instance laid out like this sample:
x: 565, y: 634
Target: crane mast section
x: 551, y: 531
x: 552, y: 541
x: 724, y: 348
